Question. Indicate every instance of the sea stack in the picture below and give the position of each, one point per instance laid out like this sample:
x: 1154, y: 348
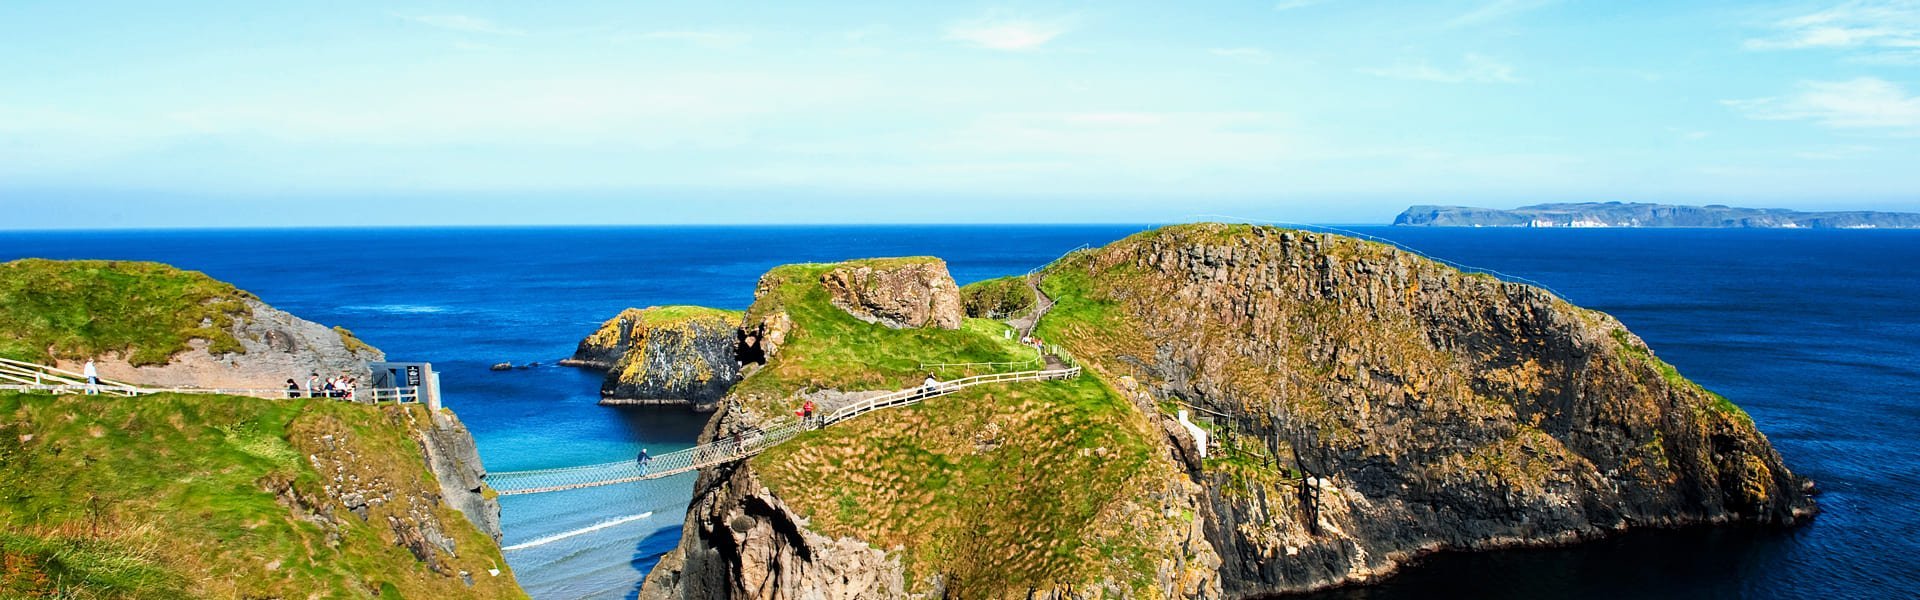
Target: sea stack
x: 664, y: 355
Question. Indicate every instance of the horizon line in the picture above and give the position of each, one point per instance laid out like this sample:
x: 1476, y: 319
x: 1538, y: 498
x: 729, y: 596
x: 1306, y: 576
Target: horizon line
x: 236, y: 228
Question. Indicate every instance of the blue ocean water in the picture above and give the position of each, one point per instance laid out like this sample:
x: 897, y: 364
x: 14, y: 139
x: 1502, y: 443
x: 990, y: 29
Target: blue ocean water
x: 1815, y: 333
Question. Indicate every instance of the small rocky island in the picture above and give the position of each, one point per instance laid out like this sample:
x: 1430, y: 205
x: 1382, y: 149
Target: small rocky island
x: 1636, y: 214
x: 686, y: 355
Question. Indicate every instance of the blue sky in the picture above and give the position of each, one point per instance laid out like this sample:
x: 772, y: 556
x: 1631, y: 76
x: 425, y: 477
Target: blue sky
x: 142, y: 114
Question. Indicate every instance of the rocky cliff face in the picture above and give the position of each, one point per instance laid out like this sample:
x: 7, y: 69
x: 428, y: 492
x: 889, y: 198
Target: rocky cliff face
x: 899, y: 292
x: 364, y: 479
x: 275, y: 346
x: 455, y: 461
x: 741, y: 541
x: 1377, y: 406
x: 675, y: 354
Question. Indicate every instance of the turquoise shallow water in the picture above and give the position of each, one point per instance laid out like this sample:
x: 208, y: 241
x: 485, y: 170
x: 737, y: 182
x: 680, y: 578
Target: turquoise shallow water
x: 1815, y: 333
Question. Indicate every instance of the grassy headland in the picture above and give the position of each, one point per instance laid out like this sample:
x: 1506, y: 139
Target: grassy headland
x: 831, y: 349
x: 187, y: 496
x: 146, y: 311
x: 995, y: 489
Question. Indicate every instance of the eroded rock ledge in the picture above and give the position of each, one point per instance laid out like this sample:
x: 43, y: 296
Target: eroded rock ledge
x: 897, y: 292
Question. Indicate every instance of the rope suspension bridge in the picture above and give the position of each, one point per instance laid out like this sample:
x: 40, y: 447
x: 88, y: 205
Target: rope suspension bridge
x: 513, y: 483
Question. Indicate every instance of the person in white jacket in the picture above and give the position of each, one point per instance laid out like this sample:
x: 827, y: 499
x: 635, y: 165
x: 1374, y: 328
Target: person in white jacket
x: 92, y: 374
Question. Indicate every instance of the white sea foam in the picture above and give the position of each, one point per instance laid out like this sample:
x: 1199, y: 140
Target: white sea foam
x: 397, y: 309
x: 577, y: 532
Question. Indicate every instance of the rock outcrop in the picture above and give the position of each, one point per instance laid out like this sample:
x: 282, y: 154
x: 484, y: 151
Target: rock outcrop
x: 1383, y: 406
x: 741, y: 541
x: 455, y: 461
x: 665, y: 355
x: 897, y: 292
x: 1031, y: 489
x: 1363, y: 407
x: 274, y: 346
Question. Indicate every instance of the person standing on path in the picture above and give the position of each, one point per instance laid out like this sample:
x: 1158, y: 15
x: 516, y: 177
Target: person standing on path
x: 92, y: 374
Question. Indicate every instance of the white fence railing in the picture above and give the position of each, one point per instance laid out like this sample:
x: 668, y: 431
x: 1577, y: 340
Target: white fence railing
x: 19, y: 376
x: 406, y: 395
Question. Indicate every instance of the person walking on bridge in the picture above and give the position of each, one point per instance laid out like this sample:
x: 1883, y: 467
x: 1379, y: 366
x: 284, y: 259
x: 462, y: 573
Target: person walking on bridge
x: 929, y: 386
x: 806, y: 412
x: 92, y: 374
x: 643, y: 460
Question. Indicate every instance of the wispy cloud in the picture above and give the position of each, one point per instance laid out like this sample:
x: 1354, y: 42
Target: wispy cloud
x: 1252, y: 55
x: 1861, y: 103
x: 1878, y: 25
x: 704, y: 39
x: 1006, y: 34
x: 463, y: 23
x: 1495, y: 10
x: 1474, y: 68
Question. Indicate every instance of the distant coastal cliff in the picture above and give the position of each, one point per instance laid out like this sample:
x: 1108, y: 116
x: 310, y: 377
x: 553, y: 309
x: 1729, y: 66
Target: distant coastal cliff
x: 1636, y: 214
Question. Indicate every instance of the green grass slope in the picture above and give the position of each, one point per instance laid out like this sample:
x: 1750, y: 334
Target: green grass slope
x: 831, y: 349
x: 997, y: 489
x: 147, y: 311
x: 179, y: 496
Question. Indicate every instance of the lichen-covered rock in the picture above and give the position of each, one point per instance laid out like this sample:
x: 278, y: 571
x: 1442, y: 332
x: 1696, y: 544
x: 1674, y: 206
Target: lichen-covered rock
x: 277, y: 346
x: 1383, y: 406
x: 672, y: 354
x: 897, y: 292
